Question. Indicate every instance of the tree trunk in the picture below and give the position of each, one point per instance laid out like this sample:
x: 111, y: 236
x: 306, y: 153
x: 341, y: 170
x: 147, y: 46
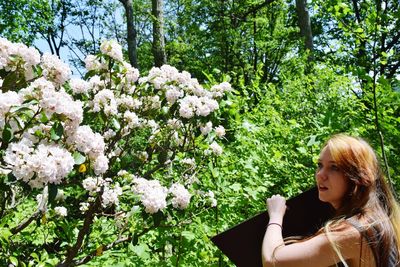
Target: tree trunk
x: 131, y: 38
x: 160, y: 57
x: 304, y: 23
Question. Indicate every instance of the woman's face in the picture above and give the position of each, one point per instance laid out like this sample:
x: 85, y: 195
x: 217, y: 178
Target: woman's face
x: 331, y: 182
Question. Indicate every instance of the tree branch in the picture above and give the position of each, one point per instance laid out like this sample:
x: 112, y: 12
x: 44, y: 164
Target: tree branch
x: 72, y: 252
x: 41, y: 210
x: 103, y: 248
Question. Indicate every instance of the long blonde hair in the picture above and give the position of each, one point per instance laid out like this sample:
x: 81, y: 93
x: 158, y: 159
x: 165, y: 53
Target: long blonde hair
x: 370, y: 200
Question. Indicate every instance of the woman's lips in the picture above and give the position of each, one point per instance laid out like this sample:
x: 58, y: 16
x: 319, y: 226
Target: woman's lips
x: 322, y: 188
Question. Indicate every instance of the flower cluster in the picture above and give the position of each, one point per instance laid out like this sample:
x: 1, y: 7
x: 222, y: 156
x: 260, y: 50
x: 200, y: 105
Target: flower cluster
x: 8, y: 100
x: 93, y: 185
x: 13, y: 56
x: 79, y: 86
x: 60, y: 211
x: 54, y: 69
x: 152, y: 194
x: 181, y: 196
x: 113, y: 49
x: 92, y: 144
x: 40, y: 166
x: 57, y: 126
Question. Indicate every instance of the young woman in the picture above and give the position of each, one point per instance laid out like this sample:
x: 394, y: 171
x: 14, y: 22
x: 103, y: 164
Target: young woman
x: 366, y: 228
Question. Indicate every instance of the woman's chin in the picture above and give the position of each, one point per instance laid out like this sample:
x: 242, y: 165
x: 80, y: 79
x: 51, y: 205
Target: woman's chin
x: 322, y: 198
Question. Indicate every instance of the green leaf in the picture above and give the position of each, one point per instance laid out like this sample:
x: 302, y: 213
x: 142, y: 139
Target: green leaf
x: 188, y: 235
x: 19, y: 109
x: 35, y: 256
x: 359, y: 30
x: 9, y: 82
x: 56, y: 131
x: 162, y: 156
x: 43, y: 117
x: 235, y: 187
x: 135, y: 240
x: 157, y: 218
x: 302, y: 150
x: 52, y: 192
x: 78, y: 158
x: 13, y: 260
x: 7, y: 134
x: 10, y: 178
x: 142, y: 251
x: 5, y: 233
x: 116, y: 124
x: 312, y: 141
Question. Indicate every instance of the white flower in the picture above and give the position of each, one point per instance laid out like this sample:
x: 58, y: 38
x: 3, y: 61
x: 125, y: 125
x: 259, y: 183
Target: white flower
x: 54, y: 69
x: 8, y: 100
x: 79, y: 86
x: 132, y: 119
x: 96, y: 83
x: 60, y: 195
x: 122, y: 173
x: 173, y: 94
x: 206, y: 129
x: 50, y: 163
x: 86, y: 141
x: 126, y: 101
x: 61, y: 211
x: 219, y: 89
x: 113, y: 49
x: 16, y: 156
x: 14, y: 55
x: 175, y: 124
x: 185, y: 111
x: 110, y: 133
x: 153, y: 125
x: 92, y: 184
x: 152, y: 194
x: 143, y: 156
x: 132, y: 74
x: 100, y: 165
x: 211, y: 198
x: 91, y: 63
x: 84, y: 206
x: 190, y: 162
x: 61, y: 103
x: 216, y: 149
x: 105, y: 100
x: 181, y: 196
x: 110, y: 195
x: 220, y: 131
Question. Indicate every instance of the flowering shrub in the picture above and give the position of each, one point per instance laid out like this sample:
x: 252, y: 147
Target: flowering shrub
x: 114, y: 144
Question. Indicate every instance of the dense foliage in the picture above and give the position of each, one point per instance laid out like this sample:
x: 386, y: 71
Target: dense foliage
x: 284, y: 102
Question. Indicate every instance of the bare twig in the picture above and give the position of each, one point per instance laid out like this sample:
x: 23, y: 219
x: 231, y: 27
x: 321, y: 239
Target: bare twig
x: 40, y: 211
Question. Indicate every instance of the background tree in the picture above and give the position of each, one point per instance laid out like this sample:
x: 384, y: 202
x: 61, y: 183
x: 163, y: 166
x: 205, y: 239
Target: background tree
x: 132, y: 33
x: 158, y: 48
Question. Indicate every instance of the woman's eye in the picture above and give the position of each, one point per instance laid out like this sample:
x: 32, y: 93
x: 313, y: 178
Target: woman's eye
x: 335, y: 167
x: 319, y: 165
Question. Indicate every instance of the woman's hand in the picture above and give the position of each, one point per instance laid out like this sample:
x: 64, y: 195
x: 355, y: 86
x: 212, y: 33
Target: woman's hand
x: 276, y: 208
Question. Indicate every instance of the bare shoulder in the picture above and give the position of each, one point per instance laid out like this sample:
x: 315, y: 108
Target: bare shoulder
x: 323, y: 249
x: 346, y: 238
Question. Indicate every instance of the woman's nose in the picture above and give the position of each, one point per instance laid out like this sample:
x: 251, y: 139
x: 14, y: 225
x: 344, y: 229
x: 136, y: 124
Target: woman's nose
x: 321, y: 175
